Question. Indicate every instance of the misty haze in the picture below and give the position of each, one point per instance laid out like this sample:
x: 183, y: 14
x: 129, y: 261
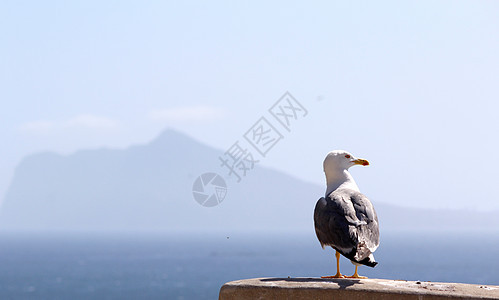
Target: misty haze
x: 119, y: 120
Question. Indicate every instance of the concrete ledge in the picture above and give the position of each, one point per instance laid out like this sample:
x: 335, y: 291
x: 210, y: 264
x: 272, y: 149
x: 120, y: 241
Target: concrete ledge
x: 351, y: 289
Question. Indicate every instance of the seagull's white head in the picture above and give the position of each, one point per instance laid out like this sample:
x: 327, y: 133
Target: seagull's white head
x: 339, y: 160
x: 336, y: 167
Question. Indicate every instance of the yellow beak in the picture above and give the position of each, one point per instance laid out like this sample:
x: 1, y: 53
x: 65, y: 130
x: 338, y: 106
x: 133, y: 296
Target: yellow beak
x: 360, y: 161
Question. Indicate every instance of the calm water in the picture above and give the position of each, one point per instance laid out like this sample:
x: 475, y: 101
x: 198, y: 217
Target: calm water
x: 195, y: 266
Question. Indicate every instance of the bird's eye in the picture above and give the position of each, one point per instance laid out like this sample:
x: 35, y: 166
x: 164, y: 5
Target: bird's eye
x: 347, y: 156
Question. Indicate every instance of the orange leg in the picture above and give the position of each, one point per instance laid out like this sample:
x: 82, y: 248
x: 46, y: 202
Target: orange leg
x: 338, y: 274
x: 356, y: 275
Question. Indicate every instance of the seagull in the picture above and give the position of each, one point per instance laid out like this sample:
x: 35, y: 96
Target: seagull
x: 345, y: 219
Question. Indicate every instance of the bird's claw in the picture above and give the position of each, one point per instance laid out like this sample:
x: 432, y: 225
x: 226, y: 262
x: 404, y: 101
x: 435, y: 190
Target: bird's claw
x: 356, y: 277
x: 334, y: 276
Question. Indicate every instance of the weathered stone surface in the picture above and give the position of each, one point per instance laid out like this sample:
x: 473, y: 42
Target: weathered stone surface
x: 352, y: 289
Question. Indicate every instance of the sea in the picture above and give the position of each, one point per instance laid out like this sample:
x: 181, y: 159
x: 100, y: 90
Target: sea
x: 195, y: 265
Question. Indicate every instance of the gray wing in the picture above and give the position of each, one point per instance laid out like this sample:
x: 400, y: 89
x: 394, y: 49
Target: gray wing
x: 346, y: 220
x: 365, y: 212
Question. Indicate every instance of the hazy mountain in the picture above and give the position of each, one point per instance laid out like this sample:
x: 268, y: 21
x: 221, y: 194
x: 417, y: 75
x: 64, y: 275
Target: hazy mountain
x: 149, y: 187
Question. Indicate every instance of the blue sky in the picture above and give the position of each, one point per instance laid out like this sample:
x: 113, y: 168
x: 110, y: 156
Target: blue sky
x: 411, y: 86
